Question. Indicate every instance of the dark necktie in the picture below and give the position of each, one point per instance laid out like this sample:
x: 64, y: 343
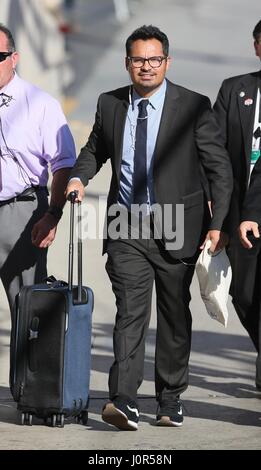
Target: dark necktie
x: 257, y: 132
x: 140, y: 156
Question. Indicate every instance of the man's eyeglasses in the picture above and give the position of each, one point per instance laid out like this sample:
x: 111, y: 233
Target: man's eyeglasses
x: 4, y: 55
x: 154, y: 62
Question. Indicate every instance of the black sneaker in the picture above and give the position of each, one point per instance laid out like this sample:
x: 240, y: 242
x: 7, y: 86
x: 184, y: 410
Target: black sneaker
x: 170, y: 413
x: 122, y: 413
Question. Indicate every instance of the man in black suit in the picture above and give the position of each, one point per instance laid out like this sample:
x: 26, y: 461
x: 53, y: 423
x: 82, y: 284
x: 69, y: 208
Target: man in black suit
x: 158, y: 136
x: 238, y: 112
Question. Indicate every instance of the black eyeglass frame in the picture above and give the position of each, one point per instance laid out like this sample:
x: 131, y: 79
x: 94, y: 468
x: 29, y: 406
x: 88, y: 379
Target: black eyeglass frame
x: 142, y: 59
x: 4, y: 55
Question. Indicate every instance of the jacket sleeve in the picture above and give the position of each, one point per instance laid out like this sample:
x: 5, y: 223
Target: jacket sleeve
x: 216, y: 163
x: 221, y: 111
x: 94, y: 154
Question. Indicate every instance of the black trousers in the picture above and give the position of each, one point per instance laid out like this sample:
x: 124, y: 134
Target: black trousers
x: 133, y: 266
x: 246, y: 290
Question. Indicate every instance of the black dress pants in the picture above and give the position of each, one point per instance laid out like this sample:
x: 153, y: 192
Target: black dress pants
x: 133, y: 266
x: 246, y: 290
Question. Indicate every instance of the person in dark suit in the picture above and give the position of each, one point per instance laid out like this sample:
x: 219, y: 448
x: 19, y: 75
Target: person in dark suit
x: 158, y: 137
x: 237, y: 109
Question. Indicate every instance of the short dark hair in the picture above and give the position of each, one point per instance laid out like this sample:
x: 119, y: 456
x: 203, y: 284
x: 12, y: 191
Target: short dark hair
x: 145, y: 33
x: 257, y: 31
x: 10, y: 39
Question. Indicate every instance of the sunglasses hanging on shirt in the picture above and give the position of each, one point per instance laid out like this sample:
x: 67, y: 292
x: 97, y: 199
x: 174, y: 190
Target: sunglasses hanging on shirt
x: 5, y: 99
x: 257, y: 132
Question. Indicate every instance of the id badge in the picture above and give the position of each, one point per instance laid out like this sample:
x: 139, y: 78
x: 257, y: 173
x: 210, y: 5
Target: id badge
x: 255, y: 154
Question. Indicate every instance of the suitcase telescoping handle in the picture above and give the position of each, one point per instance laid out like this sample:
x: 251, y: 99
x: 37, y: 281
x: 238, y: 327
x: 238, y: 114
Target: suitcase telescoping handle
x: 72, y: 197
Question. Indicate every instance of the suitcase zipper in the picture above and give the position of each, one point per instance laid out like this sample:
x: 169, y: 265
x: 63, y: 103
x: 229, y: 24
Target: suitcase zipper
x: 19, y: 335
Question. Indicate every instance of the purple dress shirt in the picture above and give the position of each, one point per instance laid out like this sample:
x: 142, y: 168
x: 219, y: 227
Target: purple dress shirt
x: 33, y: 133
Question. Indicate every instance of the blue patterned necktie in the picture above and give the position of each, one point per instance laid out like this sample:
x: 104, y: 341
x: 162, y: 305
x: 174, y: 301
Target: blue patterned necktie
x: 140, y: 156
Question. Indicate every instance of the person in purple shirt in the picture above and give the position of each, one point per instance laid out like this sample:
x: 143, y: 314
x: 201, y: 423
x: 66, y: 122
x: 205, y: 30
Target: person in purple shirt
x: 34, y: 136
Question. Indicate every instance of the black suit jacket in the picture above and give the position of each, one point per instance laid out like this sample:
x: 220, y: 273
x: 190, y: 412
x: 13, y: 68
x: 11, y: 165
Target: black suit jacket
x: 236, y: 120
x: 251, y: 209
x: 188, y: 139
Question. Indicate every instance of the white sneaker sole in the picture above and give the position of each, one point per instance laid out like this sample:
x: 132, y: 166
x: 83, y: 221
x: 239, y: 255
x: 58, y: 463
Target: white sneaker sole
x: 165, y: 421
x: 116, y: 417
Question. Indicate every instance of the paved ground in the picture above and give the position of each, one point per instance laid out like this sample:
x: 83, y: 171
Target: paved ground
x: 209, y: 42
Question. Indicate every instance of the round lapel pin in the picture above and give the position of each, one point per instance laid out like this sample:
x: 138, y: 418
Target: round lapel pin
x: 242, y: 94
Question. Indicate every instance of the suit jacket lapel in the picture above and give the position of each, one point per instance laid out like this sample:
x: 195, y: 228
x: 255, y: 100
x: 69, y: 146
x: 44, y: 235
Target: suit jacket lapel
x: 168, y: 122
x: 247, y: 111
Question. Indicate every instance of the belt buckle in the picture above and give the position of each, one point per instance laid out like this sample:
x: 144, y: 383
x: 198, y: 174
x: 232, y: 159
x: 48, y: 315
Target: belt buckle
x: 28, y: 192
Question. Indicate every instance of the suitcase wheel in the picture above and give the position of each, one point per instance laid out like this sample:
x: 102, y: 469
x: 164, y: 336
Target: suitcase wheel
x: 53, y: 422
x: 57, y: 420
x: 82, y: 418
x: 60, y: 420
x: 26, y: 418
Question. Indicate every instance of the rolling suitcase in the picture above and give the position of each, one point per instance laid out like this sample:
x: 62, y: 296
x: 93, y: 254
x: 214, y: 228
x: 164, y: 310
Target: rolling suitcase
x: 51, y: 345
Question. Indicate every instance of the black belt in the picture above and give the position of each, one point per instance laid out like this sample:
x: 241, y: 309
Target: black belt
x: 27, y: 195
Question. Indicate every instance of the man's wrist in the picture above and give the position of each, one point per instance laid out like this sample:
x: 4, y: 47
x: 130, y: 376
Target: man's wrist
x: 55, y: 211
